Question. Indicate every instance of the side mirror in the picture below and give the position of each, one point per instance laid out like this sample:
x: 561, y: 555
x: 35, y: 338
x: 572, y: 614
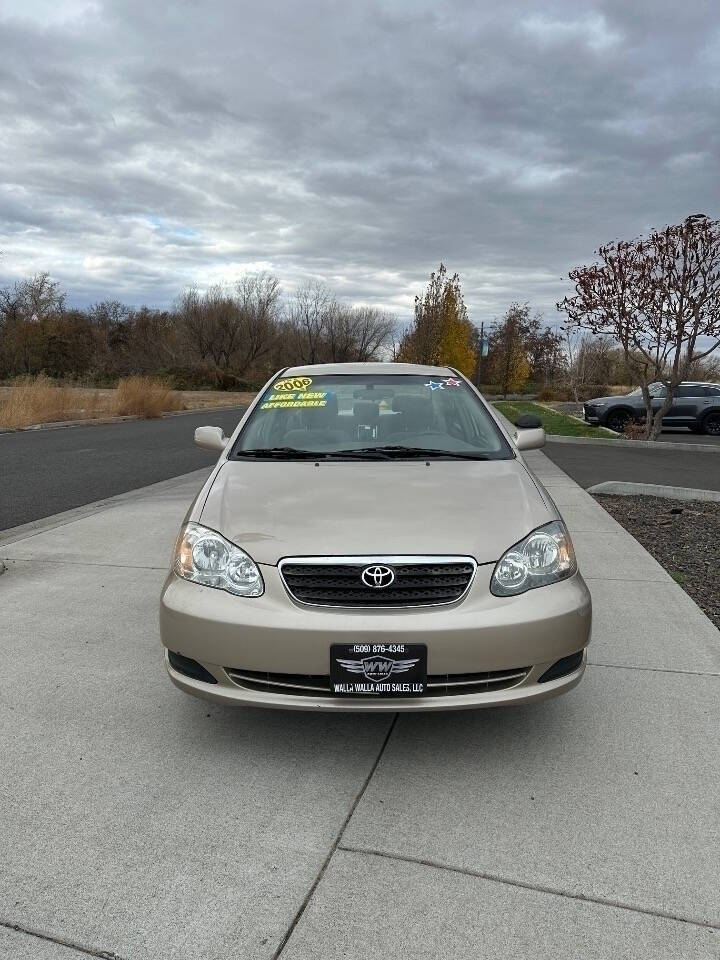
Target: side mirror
x: 528, y: 421
x: 530, y: 434
x: 211, y: 438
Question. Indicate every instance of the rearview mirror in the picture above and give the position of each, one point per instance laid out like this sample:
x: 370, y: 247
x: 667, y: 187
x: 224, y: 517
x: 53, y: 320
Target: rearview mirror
x: 211, y: 438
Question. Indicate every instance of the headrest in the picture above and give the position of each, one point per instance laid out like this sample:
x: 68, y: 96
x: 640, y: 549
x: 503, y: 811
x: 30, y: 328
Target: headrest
x: 408, y: 403
x: 318, y: 416
x: 416, y: 412
x: 366, y: 412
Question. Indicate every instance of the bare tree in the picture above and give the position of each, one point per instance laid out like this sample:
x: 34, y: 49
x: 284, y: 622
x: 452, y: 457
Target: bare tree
x: 25, y: 311
x: 234, y: 328
x: 589, y: 360
x: 660, y: 299
x: 308, y: 319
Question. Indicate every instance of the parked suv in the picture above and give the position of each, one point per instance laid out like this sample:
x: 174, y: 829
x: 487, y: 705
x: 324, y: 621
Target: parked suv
x: 695, y: 405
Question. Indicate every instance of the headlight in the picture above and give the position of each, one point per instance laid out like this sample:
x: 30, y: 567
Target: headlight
x: 203, y: 556
x: 545, y: 556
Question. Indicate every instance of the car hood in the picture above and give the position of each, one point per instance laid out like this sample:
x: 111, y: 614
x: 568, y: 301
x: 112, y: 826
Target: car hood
x: 621, y: 396
x: 279, y: 509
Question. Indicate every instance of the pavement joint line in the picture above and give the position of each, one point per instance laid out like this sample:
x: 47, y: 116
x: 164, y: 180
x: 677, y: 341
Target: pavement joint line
x: 83, y: 563
x: 61, y: 941
x: 34, y: 528
x: 326, y: 863
x: 625, y: 666
x: 526, y: 885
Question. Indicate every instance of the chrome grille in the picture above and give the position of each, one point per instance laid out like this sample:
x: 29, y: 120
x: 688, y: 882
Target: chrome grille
x: 337, y: 581
x: 438, y: 685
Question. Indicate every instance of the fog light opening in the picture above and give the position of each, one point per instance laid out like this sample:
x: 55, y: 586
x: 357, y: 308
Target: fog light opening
x: 562, y: 667
x: 190, y: 668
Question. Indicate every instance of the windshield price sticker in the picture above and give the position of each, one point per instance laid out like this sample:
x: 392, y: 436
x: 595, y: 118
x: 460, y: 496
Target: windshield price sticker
x: 292, y: 383
x: 278, y: 400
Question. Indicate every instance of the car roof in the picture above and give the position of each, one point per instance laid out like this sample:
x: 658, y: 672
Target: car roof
x: 374, y: 369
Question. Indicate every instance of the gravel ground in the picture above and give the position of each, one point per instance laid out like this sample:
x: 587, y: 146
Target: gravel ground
x: 683, y: 536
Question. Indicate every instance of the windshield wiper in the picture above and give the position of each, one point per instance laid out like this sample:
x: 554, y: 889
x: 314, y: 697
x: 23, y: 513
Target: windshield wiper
x: 398, y: 452
x: 280, y: 453
x: 358, y: 453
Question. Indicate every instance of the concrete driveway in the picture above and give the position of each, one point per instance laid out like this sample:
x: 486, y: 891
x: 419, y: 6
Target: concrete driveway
x: 140, y: 824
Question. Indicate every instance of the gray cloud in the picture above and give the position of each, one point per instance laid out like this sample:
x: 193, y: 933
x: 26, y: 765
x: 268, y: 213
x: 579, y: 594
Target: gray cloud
x: 147, y: 146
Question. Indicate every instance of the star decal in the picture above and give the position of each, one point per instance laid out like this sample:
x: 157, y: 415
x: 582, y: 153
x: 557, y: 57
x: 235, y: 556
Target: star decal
x: 453, y: 382
x: 435, y: 386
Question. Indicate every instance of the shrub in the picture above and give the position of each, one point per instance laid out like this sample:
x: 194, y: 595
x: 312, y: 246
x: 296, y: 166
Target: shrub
x: 634, y: 431
x: 554, y: 393
x: 145, y: 397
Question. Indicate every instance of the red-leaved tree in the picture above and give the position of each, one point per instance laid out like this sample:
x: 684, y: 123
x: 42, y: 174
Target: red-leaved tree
x: 659, y: 298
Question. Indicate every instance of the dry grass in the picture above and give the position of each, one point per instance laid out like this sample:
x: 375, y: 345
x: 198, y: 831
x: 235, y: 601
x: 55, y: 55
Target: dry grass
x: 32, y: 400
x: 145, y: 397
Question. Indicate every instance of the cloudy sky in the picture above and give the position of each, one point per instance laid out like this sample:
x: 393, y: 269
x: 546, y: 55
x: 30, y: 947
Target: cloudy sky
x: 145, y: 146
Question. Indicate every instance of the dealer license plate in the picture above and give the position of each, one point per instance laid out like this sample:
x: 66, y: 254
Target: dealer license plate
x: 378, y: 669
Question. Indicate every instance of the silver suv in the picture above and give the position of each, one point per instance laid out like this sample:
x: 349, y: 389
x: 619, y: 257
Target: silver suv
x: 695, y: 405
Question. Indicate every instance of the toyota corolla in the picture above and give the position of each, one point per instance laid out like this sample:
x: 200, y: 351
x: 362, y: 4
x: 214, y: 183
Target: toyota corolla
x: 371, y: 538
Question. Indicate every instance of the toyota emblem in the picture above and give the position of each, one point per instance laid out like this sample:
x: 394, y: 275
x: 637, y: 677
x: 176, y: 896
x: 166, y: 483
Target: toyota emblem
x: 377, y: 576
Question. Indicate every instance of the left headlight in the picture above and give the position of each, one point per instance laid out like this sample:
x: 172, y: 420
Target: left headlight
x: 203, y: 556
x: 545, y: 556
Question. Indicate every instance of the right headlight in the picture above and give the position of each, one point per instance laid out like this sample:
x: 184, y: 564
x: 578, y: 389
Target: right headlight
x: 204, y: 556
x: 545, y: 556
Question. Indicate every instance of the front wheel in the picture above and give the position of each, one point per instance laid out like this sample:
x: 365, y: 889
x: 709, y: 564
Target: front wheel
x: 711, y: 424
x: 617, y: 420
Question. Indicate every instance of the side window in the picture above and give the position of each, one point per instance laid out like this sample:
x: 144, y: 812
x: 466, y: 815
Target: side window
x: 689, y: 390
x: 712, y: 392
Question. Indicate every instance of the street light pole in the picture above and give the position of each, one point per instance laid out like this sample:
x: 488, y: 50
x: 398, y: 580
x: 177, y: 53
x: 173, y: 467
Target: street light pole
x: 480, y: 355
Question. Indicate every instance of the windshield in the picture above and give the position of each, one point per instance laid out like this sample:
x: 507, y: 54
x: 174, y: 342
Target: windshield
x: 655, y: 390
x: 366, y: 416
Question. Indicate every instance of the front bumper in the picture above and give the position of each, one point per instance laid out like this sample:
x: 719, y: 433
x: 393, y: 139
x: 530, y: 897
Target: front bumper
x: 273, y: 633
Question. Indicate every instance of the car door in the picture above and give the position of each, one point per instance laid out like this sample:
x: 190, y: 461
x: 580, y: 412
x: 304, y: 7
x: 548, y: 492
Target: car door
x: 687, y: 401
x: 657, y: 398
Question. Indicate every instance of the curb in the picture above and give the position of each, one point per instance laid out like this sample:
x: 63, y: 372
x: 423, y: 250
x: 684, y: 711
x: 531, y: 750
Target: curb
x: 100, y: 421
x: 639, y: 444
x: 621, y: 488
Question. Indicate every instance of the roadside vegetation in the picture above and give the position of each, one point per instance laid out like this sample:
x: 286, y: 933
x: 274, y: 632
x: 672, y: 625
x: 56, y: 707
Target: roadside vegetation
x: 647, y: 310
x: 658, y: 297
x: 33, y: 400
x: 554, y: 423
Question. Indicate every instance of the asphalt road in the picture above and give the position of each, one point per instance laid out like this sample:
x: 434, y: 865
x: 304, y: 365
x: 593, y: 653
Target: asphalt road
x: 43, y: 472
x: 588, y: 464
x: 683, y: 435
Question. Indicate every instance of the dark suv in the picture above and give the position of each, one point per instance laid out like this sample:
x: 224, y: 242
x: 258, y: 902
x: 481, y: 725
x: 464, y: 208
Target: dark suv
x: 695, y: 405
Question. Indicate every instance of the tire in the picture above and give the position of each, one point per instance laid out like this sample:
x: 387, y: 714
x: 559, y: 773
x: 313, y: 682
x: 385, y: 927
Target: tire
x: 617, y: 420
x: 711, y: 424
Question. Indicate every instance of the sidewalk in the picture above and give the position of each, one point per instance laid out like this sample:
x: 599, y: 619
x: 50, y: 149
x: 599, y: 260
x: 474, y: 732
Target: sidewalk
x: 140, y: 824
